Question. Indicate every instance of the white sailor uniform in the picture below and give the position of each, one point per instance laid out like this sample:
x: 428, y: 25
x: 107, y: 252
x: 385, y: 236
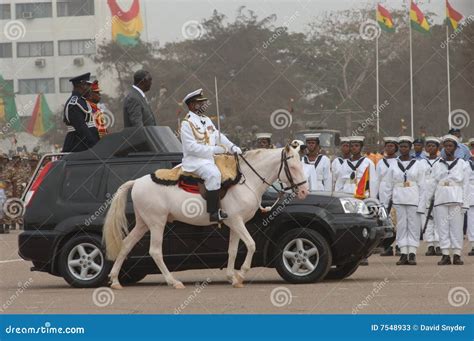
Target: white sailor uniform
x: 350, y: 174
x: 450, y: 200
x: 382, y: 169
x: 406, y: 186
x: 431, y: 235
x: 470, y: 201
x: 318, y: 173
x: 199, y: 138
x: 335, y: 168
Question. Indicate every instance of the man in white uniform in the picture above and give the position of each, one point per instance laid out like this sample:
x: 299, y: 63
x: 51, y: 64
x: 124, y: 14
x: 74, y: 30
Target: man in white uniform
x: 405, y: 187
x: 450, y: 201
x: 431, y: 235
x: 470, y: 213
x: 353, y: 169
x: 264, y: 140
x: 389, y: 160
x: 339, y: 160
x: 201, y: 141
x: 317, y: 167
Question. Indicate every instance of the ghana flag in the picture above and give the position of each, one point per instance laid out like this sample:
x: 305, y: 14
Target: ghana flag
x: 8, y: 113
x: 384, y: 18
x: 417, y: 19
x: 362, y: 185
x: 126, y: 26
x: 453, y: 17
x: 41, y: 118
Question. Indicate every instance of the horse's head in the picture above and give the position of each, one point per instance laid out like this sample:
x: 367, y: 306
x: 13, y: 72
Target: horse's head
x: 291, y: 172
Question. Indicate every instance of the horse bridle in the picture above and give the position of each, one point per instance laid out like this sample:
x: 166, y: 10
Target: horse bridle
x: 283, y: 166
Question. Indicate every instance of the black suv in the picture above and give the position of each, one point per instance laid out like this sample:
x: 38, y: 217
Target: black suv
x: 68, y: 197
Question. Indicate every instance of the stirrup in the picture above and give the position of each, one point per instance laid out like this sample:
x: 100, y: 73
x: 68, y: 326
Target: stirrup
x: 218, y: 216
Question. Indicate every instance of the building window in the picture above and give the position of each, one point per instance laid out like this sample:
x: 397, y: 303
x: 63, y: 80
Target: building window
x: 66, y: 86
x: 34, y: 10
x: 5, y: 50
x: 35, y: 49
x: 75, y: 8
x: 76, y: 47
x: 5, y: 11
x: 35, y: 86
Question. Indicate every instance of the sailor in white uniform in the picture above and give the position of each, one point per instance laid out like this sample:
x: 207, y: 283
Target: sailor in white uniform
x: 431, y: 235
x: 406, y: 181
x: 450, y: 201
x: 339, y: 160
x: 470, y: 213
x: 316, y: 166
x: 353, y: 169
x: 389, y: 160
x: 200, y: 140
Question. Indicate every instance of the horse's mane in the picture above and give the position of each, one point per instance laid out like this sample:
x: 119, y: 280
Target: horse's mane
x: 255, y: 152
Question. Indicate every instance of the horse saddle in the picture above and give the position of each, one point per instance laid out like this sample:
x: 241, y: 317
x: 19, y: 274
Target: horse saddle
x: 227, y: 164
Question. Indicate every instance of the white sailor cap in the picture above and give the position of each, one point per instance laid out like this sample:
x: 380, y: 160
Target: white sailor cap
x: 312, y: 136
x: 450, y: 137
x: 263, y: 136
x: 344, y: 139
x: 405, y: 139
x: 470, y: 141
x: 356, y: 138
x: 432, y: 139
x: 390, y: 139
x: 196, y: 95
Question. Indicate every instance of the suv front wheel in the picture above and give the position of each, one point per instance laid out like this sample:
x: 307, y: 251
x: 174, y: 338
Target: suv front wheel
x: 82, y: 262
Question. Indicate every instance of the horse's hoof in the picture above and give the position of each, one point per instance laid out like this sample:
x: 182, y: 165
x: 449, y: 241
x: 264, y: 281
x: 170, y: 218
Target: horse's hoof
x: 178, y: 285
x: 238, y: 285
x: 116, y: 286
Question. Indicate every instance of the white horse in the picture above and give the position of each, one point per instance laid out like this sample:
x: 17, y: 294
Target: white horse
x: 156, y: 204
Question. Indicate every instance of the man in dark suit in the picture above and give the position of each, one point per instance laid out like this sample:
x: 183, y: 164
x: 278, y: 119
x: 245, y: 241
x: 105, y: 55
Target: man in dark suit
x: 136, y: 110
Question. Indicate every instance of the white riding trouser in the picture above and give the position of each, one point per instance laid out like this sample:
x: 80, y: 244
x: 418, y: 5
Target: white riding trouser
x: 408, y: 228
x: 211, y: 176
x: 450, y: 221
x: 431, y: 235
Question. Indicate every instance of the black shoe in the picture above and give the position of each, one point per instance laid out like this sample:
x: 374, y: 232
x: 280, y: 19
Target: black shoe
x: 411, y: 259
x: 218, y: 216
x: 445, y: 260
x: 438, y: 251
x: 397, y: 251
x: 431, y: 251
x: 387, y: 252
x: 471, y: 253
x: 457, y: 260
x: 215, y: 213
x: 364, y: 262
x: 403, y: 260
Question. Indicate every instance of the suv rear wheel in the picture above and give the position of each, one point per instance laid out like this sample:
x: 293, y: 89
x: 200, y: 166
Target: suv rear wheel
x: 304, y: 256
x: 82, y: 262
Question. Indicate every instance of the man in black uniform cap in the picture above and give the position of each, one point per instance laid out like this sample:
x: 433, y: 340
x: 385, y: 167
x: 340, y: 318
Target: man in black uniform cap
x: 82, y: 133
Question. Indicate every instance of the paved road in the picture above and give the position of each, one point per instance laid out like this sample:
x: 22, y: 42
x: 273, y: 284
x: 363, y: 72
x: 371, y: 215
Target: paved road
x: 379, y: 288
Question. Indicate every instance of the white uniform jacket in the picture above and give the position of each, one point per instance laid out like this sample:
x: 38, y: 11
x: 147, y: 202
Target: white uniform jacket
x: 350, y: 174
x: 382, y: 169
x: 318, y: 173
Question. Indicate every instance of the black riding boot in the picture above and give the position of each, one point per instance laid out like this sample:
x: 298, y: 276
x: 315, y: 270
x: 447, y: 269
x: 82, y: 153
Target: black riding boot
x: 215, y: 213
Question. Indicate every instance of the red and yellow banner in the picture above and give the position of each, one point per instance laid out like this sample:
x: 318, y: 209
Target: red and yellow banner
x: 362, y: 185
x: 417, y: 19
x: 126, y: 25
x: 41, y: 118
x: 453, y: 17
x: 385, y: 20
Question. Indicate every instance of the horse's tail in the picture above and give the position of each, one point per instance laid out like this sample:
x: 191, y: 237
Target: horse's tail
x: 116, y: 225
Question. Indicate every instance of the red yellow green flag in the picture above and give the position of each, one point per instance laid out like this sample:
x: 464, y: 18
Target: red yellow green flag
x: 362, y: 185
x: 41, y: 118
x: 417, y: 19
x: 9, y: 117
x: 126, y: 25
x: 384, y: 18
x: 453, y: 17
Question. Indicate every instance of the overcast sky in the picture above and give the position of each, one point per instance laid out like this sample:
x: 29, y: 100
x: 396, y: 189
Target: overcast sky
x: 164, y: 19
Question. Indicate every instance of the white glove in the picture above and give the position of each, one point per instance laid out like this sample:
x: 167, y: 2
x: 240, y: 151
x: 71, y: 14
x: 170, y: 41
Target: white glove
x: 236, y: 149
x: 219, y: 150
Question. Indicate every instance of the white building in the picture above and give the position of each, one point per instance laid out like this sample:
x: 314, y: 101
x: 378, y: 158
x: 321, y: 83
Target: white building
x: 44, y: 43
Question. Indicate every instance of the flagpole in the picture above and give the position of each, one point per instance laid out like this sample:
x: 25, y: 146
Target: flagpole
x: 377, y: 80
x: 447, y: 67
x: 411, y: 75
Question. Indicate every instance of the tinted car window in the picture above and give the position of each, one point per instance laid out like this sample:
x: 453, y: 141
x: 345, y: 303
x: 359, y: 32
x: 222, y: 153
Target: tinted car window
x: 81, y: 183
